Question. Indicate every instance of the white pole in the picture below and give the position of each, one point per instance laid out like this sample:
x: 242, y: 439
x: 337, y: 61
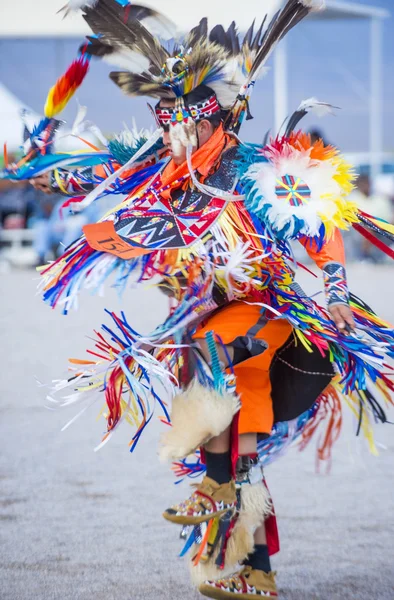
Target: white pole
x: 376, y: 98
x: 280, y: 84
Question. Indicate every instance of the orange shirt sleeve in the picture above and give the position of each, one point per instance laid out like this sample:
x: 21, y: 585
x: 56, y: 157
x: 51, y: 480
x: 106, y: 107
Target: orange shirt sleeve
x: 99, y: 170
x: 332, y: 250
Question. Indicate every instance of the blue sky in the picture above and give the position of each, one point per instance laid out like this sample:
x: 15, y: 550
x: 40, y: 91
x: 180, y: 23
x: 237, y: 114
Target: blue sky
x: 326, y: 60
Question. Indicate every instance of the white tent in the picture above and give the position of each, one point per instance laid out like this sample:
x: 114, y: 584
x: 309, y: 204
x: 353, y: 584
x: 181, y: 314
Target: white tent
x: 10, y: 119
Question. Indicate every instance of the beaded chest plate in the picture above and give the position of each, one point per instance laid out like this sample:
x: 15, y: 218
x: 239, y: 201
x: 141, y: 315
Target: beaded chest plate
x: 155, y: 223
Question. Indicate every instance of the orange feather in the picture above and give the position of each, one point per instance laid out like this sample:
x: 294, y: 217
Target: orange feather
x: 66, y: 86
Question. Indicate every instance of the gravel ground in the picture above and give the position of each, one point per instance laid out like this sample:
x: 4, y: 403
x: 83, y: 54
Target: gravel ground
x: 79, y: 525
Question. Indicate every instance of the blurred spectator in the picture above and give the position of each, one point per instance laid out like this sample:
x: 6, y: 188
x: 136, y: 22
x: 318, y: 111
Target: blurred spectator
x: 15, y: 199
x: 24, y: 206
x: 379, y: 204
x: 14, y: 221
x: 21, y: 206
x: 62, y: 227
x: 54, y: 228
x: 316, y: 135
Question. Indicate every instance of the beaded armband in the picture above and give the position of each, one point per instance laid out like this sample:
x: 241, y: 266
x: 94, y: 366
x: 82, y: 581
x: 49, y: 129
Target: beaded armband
x: 335, y: 284
x: 72, y: 183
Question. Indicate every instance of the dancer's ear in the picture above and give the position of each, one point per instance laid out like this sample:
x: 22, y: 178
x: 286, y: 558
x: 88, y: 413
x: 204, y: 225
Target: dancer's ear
x: 205, y: 130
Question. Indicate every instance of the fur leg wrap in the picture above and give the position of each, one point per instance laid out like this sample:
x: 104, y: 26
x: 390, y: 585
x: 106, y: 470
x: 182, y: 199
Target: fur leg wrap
x: 256, y: 506
x: 208, y: 571
x: 198, y: 414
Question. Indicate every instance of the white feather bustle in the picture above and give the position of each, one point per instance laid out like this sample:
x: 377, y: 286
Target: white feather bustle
x: 319, y: 177
x: 198, y: 414
x: 256, y: 506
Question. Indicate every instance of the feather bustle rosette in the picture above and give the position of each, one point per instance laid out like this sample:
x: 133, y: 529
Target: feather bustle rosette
x: 300, y: 188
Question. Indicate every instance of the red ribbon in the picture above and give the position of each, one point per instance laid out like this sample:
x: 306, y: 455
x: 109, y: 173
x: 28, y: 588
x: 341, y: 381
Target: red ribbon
x: 374, y: 240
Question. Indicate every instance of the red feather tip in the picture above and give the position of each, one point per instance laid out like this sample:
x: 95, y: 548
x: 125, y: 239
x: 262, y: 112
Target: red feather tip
x: 66, y: 85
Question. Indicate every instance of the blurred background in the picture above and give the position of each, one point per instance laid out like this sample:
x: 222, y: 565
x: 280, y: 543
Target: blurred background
x: 344, y: 56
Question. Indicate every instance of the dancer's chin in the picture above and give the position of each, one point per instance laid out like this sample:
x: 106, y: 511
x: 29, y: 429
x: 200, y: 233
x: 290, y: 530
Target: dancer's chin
x: 178, y: 159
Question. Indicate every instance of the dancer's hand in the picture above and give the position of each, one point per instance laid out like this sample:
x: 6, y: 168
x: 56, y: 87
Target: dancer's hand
x: 343, y: 317
x: 42, y: 183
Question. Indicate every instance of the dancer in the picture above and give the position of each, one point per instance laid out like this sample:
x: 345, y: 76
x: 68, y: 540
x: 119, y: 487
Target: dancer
x: 243, y: 349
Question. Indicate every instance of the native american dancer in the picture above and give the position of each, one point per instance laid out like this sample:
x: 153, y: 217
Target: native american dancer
x: 249, y: 361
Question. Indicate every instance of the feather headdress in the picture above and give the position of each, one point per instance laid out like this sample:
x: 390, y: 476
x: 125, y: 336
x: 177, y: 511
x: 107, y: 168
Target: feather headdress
x: 128, y: 35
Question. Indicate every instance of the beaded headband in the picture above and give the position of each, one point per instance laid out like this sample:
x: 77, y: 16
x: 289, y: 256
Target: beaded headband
x: 199, y: 111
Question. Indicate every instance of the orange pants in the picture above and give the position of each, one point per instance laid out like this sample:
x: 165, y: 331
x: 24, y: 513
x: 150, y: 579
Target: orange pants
x: 252, y: 376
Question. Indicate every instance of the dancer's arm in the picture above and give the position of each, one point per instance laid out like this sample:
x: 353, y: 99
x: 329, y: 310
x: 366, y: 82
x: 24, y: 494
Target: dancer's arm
x: 81, y: 181
x: 76, y: 182
x: 331, y: 259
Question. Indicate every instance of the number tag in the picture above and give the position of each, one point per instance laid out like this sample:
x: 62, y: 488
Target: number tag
x: 103, y: 237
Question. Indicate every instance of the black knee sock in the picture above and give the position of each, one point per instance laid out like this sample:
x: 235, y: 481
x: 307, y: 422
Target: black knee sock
x: 218, y: 466
x: 259, y: 559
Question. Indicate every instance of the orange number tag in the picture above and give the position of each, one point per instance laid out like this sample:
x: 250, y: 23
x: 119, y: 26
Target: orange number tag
x: 103, y: 237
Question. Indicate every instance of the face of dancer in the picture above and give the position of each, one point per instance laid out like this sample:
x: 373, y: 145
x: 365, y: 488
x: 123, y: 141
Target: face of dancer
x: 205, y: 130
